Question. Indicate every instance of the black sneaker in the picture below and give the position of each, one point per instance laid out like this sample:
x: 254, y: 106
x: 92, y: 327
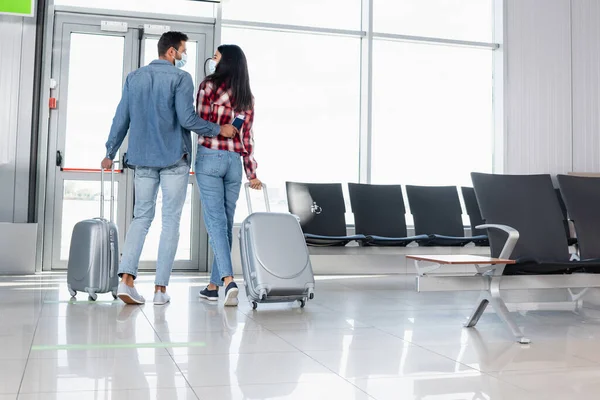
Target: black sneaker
x: 212, y: 295
x: 231, y: 295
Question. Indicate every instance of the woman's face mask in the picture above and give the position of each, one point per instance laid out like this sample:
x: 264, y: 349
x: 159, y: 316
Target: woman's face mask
x: 212, y: 66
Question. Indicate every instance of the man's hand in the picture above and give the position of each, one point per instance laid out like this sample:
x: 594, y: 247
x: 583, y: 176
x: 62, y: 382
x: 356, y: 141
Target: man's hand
x: 228, y: 131
x: 107, y: 163
x: 256, y: 184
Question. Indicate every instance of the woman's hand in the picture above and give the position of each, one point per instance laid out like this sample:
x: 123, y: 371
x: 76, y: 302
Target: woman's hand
x: 256, y: 184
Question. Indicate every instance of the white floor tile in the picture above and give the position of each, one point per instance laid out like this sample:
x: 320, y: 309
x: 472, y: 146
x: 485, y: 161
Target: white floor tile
x: 495, y: 357
x: 251, y: 369
x: 338, y: 339
x: 573, y: 383
x: 147, y: 394
x: 240, y: 342
x: 85, y: 374
x: 465, y: 386
x: 386, y: 361
x: 11, y: 373
x: 328, y: 390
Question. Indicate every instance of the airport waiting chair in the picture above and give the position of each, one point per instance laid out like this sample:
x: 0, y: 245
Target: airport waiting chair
x: 572, y: 240
x: 438, y: 214
x: 379, y: 214
x: 474, y: 214
x: 527, y: 203
x: 582, y: 199
x: 321, y: 209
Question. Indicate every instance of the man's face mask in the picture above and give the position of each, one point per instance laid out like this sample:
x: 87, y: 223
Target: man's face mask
x: 181, y: 62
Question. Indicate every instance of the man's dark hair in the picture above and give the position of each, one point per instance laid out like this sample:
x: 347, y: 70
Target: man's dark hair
x: 170, y: 39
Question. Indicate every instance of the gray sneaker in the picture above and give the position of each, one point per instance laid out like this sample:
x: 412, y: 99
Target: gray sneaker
x: 161, y: 298
x: 129, y: 295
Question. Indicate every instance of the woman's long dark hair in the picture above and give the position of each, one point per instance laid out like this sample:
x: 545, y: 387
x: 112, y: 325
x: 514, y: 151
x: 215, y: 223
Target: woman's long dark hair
x: 233, y: 71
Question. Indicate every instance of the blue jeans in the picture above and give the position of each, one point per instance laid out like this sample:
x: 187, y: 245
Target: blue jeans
x: 173, y: 182
x: 219, y: 175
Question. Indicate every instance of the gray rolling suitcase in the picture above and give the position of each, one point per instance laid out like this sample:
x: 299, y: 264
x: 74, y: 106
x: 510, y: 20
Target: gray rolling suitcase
x: 94, y: 252
x: 275, y: 259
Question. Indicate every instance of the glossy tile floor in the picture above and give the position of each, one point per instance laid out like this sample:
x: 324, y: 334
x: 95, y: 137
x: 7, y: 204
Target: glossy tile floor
x: 361, y: 338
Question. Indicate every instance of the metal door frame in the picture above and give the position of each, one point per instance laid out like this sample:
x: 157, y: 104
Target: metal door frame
x: 64, y: 21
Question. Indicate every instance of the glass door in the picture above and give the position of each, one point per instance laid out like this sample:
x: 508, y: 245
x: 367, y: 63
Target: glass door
x: 92, y: 55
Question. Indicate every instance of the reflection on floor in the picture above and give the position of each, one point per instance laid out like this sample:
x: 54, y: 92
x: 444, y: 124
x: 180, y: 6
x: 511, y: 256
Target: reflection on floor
x: 361, y: 338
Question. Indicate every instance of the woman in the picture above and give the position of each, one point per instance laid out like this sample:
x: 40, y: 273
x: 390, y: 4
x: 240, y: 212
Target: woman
x: 222, y: 96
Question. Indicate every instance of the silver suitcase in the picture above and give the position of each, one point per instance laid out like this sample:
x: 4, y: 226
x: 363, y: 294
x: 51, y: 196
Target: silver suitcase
x: 275, y: 260
x: 94, y: 252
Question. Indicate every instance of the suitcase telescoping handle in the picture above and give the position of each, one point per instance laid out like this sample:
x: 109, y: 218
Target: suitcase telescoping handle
x: 112, y: 192
x: 265, y: 194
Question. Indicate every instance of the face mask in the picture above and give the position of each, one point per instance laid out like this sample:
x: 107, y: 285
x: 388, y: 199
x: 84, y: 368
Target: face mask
x: 181, y: 63
x: 212, y: 66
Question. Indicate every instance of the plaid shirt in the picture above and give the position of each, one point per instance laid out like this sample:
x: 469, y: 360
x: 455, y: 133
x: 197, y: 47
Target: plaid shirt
x: 215, y: 106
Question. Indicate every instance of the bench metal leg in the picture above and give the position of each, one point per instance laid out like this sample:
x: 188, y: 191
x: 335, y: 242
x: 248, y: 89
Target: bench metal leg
x: 482, y: 304
x: 492, y: 296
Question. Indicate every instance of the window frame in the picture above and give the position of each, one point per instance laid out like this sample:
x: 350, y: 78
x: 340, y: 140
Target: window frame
x: 367, y: 36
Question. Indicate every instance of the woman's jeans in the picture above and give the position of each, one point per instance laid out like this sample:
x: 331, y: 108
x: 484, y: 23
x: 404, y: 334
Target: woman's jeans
x: 219, y: 175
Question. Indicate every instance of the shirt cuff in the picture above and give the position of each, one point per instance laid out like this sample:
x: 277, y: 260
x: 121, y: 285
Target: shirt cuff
x: 216, y: 130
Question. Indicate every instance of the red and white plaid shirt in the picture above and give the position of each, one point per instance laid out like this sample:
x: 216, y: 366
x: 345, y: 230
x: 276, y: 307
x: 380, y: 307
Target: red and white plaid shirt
x: 215, y: 106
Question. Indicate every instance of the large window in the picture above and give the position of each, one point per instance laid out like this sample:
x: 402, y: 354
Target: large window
x: 469, y: 20
x: 338, y: 14
x: 307, y: 90
x: 428, y: 89
x: 432, y: 113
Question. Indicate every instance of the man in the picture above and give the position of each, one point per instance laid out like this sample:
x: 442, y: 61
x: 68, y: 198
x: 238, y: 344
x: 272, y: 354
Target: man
x: 157, y: 109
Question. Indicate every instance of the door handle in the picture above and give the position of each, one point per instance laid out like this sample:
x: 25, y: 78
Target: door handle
x: 59, y: 159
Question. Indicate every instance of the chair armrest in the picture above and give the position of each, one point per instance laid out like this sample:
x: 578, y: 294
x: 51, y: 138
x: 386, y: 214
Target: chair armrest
x: 511, y: 241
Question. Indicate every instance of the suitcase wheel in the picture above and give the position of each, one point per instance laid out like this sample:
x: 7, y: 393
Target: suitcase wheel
x: 92, y: 296
x: 72, y: 292
x: 114, y: 294
x: 302, y: 303
x: 254, y: 305
x: 311, y: 296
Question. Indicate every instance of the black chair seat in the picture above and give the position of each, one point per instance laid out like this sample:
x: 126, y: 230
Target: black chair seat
x: 533, y: 267
x: 480, y: 240
x: 484, y: 242
x: 375, y: 240
x: 332, y: 241
x: 446, y: 241
x: 437, y: 213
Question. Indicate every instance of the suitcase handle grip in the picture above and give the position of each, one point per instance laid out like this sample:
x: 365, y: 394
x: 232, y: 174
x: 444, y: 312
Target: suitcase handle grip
x: 265, y: 195
x: 112, y: 259
x: 112, y: 192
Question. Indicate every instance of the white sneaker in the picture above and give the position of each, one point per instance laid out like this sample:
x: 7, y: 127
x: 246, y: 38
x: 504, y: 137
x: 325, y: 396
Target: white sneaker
x: 161, y: 298
x: 129, y: 295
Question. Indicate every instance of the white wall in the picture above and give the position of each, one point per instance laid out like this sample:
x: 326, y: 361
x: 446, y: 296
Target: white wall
x: 17, y: 50
x: 586, y: 85
x: 538, y: 86
x: 552, y: 86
